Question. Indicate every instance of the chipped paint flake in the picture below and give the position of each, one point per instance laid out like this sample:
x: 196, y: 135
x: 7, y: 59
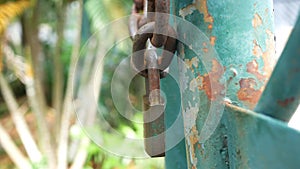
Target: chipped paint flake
x: 257, y: 51
x: 248, y: 93
x: 187, y: 10
x: 269, y: 53
x: 194, y: 62
x: 193, y: 85
x: 211, y: 84
x: 213, y: 40
x: 252, y: 67
x: 257, y: 21
x: 201, y: 5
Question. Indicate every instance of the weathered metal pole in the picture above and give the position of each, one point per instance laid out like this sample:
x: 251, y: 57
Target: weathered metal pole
x: 241, y: 34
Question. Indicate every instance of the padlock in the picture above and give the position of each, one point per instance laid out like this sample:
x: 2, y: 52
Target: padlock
x: 154, y: 107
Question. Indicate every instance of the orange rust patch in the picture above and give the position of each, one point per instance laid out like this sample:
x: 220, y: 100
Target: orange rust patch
x: 193, y: 62
x: 205, y: 50
x: 201, y: 5
x: 210, y: 26
x: 213, y: 40
x: 194, y: 138
x: 257, y: 51
x: 252, y: 67
x: 256, y: 21
x: 193, y: 142
x: 286, y: 102
x: 247, y: 92
x: 212, y: 80
x: 267, y: 55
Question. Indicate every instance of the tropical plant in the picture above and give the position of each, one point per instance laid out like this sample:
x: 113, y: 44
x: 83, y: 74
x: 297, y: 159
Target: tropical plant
x: 43, y: 63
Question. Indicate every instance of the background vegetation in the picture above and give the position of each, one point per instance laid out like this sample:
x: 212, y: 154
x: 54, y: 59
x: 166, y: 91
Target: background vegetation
x: 40, y: 42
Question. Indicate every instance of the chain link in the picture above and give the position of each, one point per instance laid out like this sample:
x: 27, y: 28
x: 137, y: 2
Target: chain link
x: 153, y: 27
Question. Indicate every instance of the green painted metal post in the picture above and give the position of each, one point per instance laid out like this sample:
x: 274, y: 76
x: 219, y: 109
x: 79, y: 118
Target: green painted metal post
x: 241, y: 32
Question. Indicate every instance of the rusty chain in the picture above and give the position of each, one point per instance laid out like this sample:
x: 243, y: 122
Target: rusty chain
x: 152, y: 25
x: 149, y: 30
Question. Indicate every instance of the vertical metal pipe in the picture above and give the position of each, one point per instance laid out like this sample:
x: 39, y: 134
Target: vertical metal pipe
x: 241, y: 33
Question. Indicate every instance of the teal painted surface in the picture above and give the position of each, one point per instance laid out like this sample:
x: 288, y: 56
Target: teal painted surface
x: 260, y: 142
x: 281, y: 97
x: 236, y: 53
x: 176, y: 155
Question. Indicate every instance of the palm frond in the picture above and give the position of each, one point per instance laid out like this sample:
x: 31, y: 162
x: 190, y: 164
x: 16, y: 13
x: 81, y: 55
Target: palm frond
x: 10, y: 10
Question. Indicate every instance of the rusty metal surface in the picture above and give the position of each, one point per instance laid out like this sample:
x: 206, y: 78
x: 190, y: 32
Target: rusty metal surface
x: 139, y: 45
x: 161, y: 27
x: 241, y: 32
x: 281, y: 97
x: 153, y: 108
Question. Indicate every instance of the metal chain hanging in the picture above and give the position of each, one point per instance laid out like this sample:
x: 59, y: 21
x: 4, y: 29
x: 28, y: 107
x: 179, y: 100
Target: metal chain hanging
x: 149, y: 29
x: 153, y: 25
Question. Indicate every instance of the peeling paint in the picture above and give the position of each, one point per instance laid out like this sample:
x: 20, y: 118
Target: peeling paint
x: 190, y: 116
x: 193, y: 85
x: 194, y: 62
x: 187, y: 10
x: 192, y: 133
x: 266, y: 55
x: 213, y: 40
x: 184, y: 78
x: 201, y: 5
x: 248, y: 93
x: 257, y: 21
x: 252, y: 67
x: 257, y: 51
x: 269, y: 53
x: 212, y: 79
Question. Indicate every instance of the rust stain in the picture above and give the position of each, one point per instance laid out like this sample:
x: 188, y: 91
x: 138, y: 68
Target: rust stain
x: 210, y: 26
x: 212, y: 79
x: 193, y: 139
x: 201, y: 5
x: 213, y: 40
x: 252, y: 67
x: 193, y: 62
x: 286, y: 102
x: 256, y: 21
x: 205, y: 50
x: 247, y: 91
x: 267, y: 55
